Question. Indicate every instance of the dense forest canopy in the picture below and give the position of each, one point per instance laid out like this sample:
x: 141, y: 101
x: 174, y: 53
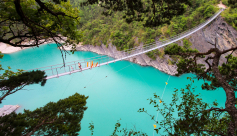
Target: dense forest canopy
x: 114, y: 29
x: 103, y: 29
x: 152, y: 12
x: 55, y: 118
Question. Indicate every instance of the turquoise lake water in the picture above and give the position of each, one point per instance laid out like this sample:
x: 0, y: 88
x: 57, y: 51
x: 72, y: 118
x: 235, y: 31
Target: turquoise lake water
x: 117, y: 96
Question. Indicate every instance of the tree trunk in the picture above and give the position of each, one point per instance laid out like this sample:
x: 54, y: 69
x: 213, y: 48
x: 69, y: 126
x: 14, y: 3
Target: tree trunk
x: 230, y: 95
x: 5, y: 95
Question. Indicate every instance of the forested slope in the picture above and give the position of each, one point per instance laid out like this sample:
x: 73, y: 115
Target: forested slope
x: 113, y: 29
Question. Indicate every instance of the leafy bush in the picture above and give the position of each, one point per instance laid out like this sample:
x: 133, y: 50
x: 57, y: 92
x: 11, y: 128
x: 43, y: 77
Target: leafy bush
x: 153, y: 54
x: 230, y: 16
x: 186, y: 43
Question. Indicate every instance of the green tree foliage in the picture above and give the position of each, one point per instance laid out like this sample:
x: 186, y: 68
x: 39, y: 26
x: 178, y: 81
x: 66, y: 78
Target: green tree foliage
x: 38, y: 21
x: 120, y: 39
x: 153, y: 54
x: 8, y: 72
x: 232, y: 3
x: 11, y: 82
x: 125, y: 131
x: 89, y: 14
x: 117, y: 130
x: 15, y: 83
x: 187, y: 114
x: 153, y: 12
x: 223, y: 76
x: 230, y: 16
x: 55, y: 118
x: 187, y: 44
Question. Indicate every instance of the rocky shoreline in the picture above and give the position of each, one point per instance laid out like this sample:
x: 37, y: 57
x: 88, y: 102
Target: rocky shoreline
x: 8, y: 49
x: 143, y: 60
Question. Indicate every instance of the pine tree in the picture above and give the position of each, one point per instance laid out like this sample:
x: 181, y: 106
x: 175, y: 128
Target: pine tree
x: 55, y: 118
x: 223, y: 76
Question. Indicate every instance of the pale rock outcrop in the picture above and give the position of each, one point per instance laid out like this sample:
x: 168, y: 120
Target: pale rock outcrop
x: 143, y: 59
x: 7, y: 109
x: 7, y: 49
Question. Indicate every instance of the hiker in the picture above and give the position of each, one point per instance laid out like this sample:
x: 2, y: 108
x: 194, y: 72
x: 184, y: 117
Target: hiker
x: 91, y: 64
x: 79, y: 65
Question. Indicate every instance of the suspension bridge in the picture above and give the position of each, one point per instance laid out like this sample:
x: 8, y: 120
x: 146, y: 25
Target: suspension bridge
x: 55, y: 71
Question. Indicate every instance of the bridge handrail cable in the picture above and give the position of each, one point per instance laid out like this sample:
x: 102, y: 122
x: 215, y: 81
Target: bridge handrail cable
x: 128, y: 53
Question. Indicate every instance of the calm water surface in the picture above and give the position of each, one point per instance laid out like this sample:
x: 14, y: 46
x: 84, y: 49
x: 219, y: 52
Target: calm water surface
x: 117, y: 96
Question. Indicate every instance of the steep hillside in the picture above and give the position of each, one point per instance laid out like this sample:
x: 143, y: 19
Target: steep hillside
x: 106, y: 35
x: 226, y: 35
x: 113, y: 29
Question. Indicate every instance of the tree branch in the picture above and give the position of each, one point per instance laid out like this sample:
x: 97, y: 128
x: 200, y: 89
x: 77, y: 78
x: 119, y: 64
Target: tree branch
x: 214, y: 132
x: 216, y: 109
x: 41, y: 124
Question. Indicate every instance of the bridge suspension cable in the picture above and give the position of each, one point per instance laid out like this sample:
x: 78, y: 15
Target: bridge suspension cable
x: 55, y: 71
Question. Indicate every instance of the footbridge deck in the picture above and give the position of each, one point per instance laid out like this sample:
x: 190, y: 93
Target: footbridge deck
x: 55, y: 71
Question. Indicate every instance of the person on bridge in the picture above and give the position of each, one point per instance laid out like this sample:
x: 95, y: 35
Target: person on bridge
x: 91, y: 64
x: 79, y: 65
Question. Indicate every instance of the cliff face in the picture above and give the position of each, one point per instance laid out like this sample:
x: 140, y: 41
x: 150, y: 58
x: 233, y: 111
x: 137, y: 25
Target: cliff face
x: 225, y: 34
x: 143, y: 59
